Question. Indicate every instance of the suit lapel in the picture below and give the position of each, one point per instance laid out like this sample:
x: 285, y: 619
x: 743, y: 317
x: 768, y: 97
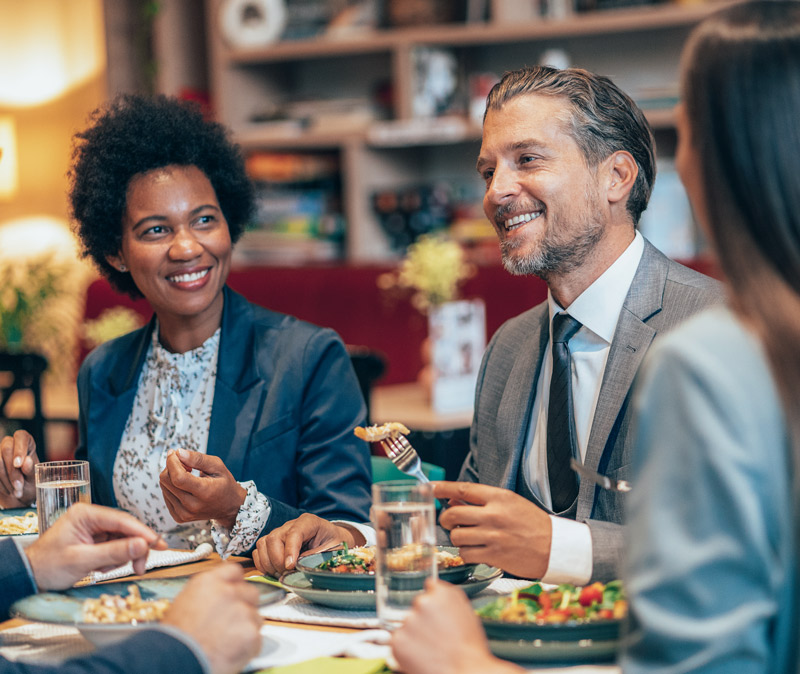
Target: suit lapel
x: 514, y: 411
x: 238, y: 388
x: 111, y: 401
x: 632, y: 338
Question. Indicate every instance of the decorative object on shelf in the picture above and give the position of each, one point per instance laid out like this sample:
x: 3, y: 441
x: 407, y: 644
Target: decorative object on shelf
x: 433, y: 270
x: 435, y: 81
x: 555, y: 58
x: 252, y: 23
x: 400, y: 13
x: 299, y: 215
x: 411, y: 212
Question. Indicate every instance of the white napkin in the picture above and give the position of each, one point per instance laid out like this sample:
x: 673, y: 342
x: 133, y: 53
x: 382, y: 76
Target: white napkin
x: 155, y: 559
x: 43, y: 643
x: 287, y: 645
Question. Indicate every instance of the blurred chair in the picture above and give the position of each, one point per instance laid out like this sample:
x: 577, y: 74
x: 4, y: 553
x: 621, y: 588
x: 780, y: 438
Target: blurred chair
x: 369, y: 366
x: 384, y: 470
x: 20, y: 372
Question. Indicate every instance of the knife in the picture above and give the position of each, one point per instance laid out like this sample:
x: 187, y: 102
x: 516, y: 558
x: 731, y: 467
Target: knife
x: 604, y: 481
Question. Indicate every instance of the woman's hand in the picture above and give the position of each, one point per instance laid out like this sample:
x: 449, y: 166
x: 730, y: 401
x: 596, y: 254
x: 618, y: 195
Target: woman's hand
x: 278, y: 551
x: 214, y: 494
x: 17, y: 481
x: 442, y: 635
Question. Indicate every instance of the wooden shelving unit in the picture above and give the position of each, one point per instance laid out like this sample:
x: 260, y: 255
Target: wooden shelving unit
x: 638, y: 47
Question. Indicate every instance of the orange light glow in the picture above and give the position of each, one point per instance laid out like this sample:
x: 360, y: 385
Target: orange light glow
x: 48, y: 47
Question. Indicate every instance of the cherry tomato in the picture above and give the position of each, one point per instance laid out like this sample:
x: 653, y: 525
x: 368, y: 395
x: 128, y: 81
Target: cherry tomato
x: 591, y: 594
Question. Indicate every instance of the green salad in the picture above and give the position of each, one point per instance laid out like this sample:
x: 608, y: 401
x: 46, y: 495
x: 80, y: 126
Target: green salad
x: 565, y: 603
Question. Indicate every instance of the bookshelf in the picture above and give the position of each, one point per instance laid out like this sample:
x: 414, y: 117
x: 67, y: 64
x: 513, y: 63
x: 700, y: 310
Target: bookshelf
x: 379, y: 143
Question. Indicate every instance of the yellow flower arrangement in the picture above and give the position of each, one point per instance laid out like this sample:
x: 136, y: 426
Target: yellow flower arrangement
x: 112, y: 323
x: 433, y: 269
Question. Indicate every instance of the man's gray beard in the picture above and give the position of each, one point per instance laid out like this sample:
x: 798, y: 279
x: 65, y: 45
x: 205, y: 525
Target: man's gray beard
x: 552, y: 258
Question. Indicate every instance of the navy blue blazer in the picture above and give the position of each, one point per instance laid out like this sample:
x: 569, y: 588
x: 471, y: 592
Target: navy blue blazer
x: 146, y: 652
x: 286, y: 401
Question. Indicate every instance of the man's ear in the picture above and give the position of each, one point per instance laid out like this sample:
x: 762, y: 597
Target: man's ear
x: 621, y: 170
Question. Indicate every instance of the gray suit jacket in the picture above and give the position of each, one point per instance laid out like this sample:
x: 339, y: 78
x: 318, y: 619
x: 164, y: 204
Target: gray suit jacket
x: 663, y: 293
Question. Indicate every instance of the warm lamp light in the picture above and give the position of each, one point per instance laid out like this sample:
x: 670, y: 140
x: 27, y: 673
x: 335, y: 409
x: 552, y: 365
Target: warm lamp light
x: 36, y: 235
x: 48, y: 47
x: 8, y: 157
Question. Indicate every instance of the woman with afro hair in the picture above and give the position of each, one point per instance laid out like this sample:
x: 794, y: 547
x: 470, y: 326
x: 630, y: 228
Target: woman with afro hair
x: 219, y: 420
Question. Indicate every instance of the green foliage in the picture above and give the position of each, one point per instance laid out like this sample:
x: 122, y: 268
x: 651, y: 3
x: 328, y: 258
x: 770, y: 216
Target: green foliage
x: 27, y: 287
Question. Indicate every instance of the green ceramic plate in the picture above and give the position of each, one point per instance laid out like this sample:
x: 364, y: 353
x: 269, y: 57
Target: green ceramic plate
x: 348, y: 582
x: 555, y: 652
x: 65, y: 607
x: 297, y: 582
x: 555, y: 643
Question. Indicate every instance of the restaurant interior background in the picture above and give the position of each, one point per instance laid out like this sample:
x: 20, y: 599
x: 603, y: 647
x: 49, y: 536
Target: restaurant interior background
x: 360, y: 120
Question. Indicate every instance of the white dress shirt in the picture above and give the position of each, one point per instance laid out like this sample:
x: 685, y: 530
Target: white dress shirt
x: 598, y: 309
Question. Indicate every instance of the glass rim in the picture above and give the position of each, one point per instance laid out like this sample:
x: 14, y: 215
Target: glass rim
x: 392, y: 490
x: 44, y: 467
x: 64, y: 462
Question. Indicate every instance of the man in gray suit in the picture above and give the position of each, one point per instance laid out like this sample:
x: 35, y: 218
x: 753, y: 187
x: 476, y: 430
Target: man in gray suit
x: 569, y: 164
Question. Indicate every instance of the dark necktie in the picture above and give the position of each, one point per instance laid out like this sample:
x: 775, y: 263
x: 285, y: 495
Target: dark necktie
x: 561, y: 439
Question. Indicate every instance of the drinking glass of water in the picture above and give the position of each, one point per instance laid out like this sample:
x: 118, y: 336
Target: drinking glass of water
x: 59, y: 484
x: 403, y: 516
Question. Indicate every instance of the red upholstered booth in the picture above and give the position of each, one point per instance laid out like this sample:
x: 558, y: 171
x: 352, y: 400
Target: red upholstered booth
x: 347, y: 299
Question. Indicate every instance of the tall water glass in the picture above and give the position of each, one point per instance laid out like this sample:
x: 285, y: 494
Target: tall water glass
x: 403, y: 516
x: 59, y: 484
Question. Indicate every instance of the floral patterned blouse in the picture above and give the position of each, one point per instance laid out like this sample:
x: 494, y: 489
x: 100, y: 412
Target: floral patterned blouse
x: 172, y: 410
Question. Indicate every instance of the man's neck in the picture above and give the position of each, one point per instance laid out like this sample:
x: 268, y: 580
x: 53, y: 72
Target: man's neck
x: 566, y: 288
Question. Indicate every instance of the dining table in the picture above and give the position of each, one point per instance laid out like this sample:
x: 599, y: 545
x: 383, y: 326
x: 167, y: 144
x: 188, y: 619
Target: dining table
x: 311, y: 632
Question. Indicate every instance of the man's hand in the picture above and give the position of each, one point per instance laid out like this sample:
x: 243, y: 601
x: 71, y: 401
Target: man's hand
x: 442, y: 635
x: 17, y: 459
x: 214, y: 494
x: 497, y: 527
x: 89, y: 538
x: 219, y: 610
x: 278, y: 551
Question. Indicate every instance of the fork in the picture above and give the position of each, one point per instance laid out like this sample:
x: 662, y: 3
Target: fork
x: 604, y: 481
x: 404, y: 456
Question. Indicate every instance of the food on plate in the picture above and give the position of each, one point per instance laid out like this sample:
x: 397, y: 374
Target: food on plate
x: 362, y: 560
x: 563, y: 604
x: 112, y: 608
x: 382, y: 432
x: 19, y: 524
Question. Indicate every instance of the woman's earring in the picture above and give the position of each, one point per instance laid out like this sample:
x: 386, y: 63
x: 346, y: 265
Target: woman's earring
x: 122, y: 267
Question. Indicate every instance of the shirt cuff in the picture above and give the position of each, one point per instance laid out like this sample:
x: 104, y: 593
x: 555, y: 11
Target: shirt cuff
x: 570, y: 553
x: 187, y: 641
x: 250, y: 522
x: 27, y: 563
x: 364, y: 529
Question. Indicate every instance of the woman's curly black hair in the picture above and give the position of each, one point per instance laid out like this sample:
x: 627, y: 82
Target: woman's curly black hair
x: 132, y: 135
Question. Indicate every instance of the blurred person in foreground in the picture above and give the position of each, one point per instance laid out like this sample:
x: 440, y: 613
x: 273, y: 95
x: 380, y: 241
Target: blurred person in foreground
x: 212, y: 626
x: 712, y: 533
x: 219, y: 420
x: 568, y: 160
